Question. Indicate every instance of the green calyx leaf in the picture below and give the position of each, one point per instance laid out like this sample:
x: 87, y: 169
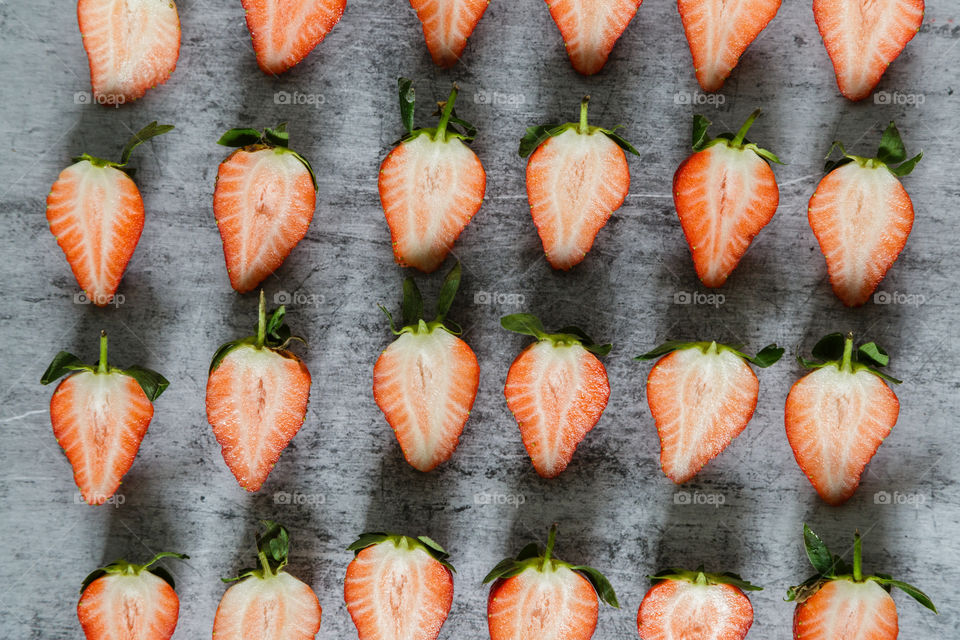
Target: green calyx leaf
x: 531, y: 558
x: 450, y: 126
x: 273, y: 551
x: 152, y: 130
x: 702, y: 578
x: 272, y: 333
x: 738, y: 141
x: 837, y: 349
x: 413, y: 320
x: 766, y: 357
x: 406, y: 543
x: 529, y: 325
x: 277, y: 138
x: 892, y: 155
x: 122, y: 567
x: 64, y: 363
x: 537, y: 135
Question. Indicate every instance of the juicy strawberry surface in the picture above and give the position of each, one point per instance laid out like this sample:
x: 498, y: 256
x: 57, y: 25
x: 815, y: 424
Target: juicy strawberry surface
x: 284, y: 32
x: 843, y: 610
x: 395, y: 593
x: 96, y: 215
x: 719, y: 31
x: 680, y: 610
x: 559, y: 604
x: 590, y: 28
x: 263, y: 203
x: 863, y: 37
x: 446, y: 26
x: 268, y: 608
x: 128, y: 607
x: 132, y: 45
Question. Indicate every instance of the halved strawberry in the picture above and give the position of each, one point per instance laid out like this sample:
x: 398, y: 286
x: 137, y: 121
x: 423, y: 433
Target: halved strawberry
x: 590, y: 28
x: 100, y: 415
x: 863, y: 37
x: 283, y: 33
x: 724, y: 193
x: 129, y: 601
x: 840, y: 602
x: 95, y: 212
x: 838, y: 415
x: 425, y: 382
x: 556, y: 389
x: 257, y: 396
x: 538, y: 596
x: 431, y: 185
x: 398, y: 587
x: 132, y: 46
x: 446, y: 26
x: 577, y: 176
x: 862, y: 215
x: 693, y: 605
x: 267, y: 602
x: 719, y: 31
x: 701, y: 396
x: 263, y: 203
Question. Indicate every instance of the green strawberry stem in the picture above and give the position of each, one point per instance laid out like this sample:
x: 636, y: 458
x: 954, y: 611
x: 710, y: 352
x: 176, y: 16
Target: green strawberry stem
x: 445, y: 115
x: 742, y: 133
x: 102, y: 365
x: 551, y: 539
x: 845, y: 363
x: 261, y: 321
x: 267, y: 571
x: 702, y: 578
x: 582, y: 129
x: 857, y: 557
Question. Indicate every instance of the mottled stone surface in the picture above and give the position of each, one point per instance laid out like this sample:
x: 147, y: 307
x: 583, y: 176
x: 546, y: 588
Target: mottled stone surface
x: 344, y: 470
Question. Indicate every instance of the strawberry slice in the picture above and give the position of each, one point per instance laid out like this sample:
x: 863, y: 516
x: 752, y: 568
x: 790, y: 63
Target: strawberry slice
x: 263, y: 203
x: 95, y: 212
x: 129, y: 601
x: 132, y: 46
x: 398, y: 587
x: 446, y: 26
x: 99, y: 415
x: 719, y: 31
x: 431, y: 185
x: 425, y: 382
x: 838, y: 415
x: 862, y: 215
x: 538, y: 596
x: 283, y: 33
x: 556, y: 389
x: 590, y: 28
x: 694, y: 605
x: 724, y: 193
x: 257, y: 396
x: 701, y: 396
x: 577, y: 176
x: 268, y: 602
x: 840, y: 602
x: 863, y: 37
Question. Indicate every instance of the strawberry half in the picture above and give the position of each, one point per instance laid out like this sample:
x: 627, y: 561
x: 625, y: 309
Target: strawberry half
x: 840, y: 602
x: 590, y: 28
x: 724, y: 193
x: 446, y: 26
x: 862, y: 215
x: 701, y: 396
x: 556, y: 390
x: 95, y: 212
x: 398, y: 587
x: 284, y: 33
x: 431, y: 185
x: 132, y: 46
x: 719, y: 31
x: 257, y: 396
x: 129, y: 601
x: 538, y: 596
x: 263, y: 203
x: 577, y: 176
x: 838, y: 415
x: 694, y: 605
x: 268, y: 602
x: 100, y: 415
x: 864, y: 38
x: 425, y: 382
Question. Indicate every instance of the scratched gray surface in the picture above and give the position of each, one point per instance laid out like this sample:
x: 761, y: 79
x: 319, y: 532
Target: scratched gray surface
x: 344, y: 469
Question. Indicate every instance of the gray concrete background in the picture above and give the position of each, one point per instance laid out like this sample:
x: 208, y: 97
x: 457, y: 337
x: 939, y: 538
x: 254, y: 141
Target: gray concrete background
x: 617, y: 510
